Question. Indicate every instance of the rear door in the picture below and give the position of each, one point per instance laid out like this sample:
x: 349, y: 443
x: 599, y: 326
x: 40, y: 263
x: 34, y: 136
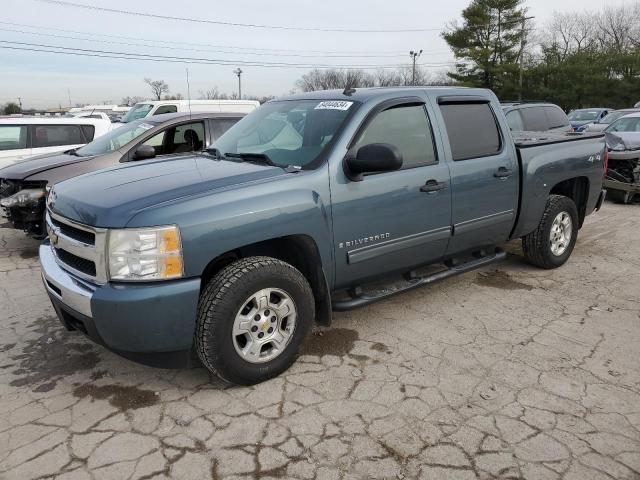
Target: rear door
x: 484, y: 173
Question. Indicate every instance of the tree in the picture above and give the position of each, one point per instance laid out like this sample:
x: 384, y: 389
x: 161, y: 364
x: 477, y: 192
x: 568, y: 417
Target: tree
x: 158, y: 87
x: 12, y: 108
x: 487, y: 45
x: 131, y: 101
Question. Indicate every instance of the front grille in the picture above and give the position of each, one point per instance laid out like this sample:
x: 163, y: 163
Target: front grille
x: 77, y: 263
x: 70, y: 231
x: 8, y: 187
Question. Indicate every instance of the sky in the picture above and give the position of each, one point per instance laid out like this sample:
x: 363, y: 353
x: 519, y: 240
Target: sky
x: 45, y: 80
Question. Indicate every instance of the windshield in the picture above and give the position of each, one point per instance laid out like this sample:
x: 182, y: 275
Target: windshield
x: 583, y: 115
x: 290, y: 132
x: 625, y: 124
x: 139, y: 110
x: 115, y: 139
x: 613, y: 116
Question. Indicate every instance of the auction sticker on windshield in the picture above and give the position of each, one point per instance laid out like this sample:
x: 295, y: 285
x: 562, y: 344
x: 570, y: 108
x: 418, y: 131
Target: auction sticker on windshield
x: 334, y: 105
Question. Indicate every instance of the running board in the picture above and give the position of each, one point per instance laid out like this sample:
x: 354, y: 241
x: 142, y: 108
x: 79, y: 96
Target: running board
x: 358, y: 298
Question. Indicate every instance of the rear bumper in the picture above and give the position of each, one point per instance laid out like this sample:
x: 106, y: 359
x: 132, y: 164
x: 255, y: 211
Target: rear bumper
x: 151, y: 323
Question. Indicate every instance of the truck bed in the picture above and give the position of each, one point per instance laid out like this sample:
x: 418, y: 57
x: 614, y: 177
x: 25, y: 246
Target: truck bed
x: 555, y: 157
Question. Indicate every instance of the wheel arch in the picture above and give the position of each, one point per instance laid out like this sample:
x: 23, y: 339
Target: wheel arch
x: 577, y: 189
x: 299, y: 250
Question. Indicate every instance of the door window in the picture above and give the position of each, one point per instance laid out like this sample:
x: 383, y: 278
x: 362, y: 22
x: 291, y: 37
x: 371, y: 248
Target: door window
x: 472, y: 130
x: 13, y: 137
x: 534, y: 119
x: 180, y: 139
x: 408, y: 129
x: 166, y: 109
x: 57, y: 135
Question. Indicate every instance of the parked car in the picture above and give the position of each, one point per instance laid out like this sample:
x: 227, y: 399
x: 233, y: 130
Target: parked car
x: 89, y: 114
x: 24, y: 137
x: 148, y: 109
x: 609, y: 119
x: 582, y: 117
x: 623, y: 174
x: 538, y: 117
x: 295, y: 210
x: 23, y: 185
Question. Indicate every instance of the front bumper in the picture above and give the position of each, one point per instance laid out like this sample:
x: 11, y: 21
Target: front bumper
x: 151, y: 323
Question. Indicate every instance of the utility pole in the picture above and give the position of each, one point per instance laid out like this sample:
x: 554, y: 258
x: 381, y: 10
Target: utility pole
x: 414, y: 55
x: 20, y: 102
x: 69, y: 93
x: 238, y: 72
x: 522, y: 45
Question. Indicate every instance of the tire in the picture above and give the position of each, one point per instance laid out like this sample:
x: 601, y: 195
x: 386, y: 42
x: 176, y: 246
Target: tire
x: 537, y: 245
x: 234, y: 297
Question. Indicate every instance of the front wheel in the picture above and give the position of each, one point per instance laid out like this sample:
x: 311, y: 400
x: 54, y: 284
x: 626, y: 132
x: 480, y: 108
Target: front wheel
x: 550, y: 245
x: 252, y: 317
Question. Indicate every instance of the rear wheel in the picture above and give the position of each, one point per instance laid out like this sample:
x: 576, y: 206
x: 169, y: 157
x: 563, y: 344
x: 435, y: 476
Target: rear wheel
x: 550, y: 245
x: 252, y: 318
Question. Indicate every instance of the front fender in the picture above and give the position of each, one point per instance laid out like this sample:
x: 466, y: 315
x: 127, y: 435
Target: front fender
x: 219, y: 222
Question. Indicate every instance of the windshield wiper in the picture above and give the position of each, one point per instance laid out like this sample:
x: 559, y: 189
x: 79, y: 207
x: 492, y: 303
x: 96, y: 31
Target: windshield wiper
x: 253, y: 157
x: 73, y: 152
x: 217, y: 154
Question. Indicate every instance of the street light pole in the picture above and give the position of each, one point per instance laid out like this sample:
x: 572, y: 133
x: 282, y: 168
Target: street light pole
x: 238, y: 72
x: 414, y: 55
x: 523, y: 42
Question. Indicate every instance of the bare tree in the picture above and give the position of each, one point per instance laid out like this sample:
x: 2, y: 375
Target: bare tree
x: 211, y: 94
x: 158, y: 87
x: 131, y: 101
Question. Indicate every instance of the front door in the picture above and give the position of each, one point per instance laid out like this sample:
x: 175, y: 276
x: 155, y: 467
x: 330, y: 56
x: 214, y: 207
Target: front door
x: 484, y: 175
x: 392, y: 221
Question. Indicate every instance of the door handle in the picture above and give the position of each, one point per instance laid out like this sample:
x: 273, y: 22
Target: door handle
x: 503, y: 173
x: 433, y: 186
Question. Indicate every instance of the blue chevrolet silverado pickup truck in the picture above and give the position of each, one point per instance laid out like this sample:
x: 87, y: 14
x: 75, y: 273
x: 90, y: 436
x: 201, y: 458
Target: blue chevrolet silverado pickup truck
x: 302, y: 207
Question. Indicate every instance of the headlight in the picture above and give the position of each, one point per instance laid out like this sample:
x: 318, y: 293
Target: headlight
x: 23, y: 198
x: 145, y: 254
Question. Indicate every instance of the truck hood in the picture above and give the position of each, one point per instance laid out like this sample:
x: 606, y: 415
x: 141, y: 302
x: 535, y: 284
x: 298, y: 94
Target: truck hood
x: 31, y: 166
x: 622, y: 141
x: 111, y: 197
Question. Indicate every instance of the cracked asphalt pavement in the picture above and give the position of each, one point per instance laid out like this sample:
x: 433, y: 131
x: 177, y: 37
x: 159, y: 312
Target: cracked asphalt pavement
x: 506, y: 372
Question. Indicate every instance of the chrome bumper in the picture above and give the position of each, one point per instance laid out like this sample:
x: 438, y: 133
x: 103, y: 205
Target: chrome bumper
x: 74, y: 293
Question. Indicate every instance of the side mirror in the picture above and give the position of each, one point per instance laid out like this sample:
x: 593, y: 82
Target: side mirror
x: 375, y: 157
x: 144, y: 152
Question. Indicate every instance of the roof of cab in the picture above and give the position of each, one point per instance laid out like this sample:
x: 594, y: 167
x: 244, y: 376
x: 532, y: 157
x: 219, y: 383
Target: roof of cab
x: 365, y: 94
x: 49, y: 120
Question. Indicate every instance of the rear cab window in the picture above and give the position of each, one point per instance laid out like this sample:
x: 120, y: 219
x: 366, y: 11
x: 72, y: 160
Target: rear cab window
x: 534, y: 119
x: 472, y: 130
x: 556, y: 117
x: 13, y: 137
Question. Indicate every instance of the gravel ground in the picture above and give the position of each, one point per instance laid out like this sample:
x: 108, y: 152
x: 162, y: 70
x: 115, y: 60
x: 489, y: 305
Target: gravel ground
x: 506, y: 372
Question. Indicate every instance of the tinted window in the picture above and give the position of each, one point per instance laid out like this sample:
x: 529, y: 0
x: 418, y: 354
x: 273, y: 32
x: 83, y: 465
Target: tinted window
x: 166, y: 109
x: 534, y: 119
x: 408, y: 129
x: 179, y: 139
x: 515, y: 121
x: 221, y: 125
x: 556, y: 117
x: 13, y: 137
x: 472, y: 130
x: 57, y: 135
x: 89, y: 131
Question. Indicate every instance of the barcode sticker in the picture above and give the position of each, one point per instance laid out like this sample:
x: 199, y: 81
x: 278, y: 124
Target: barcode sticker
x: 334, y: 105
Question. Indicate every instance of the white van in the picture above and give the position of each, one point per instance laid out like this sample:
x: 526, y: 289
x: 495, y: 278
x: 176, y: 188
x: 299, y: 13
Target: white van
x: 23, y: 137
x: 147, y: 109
